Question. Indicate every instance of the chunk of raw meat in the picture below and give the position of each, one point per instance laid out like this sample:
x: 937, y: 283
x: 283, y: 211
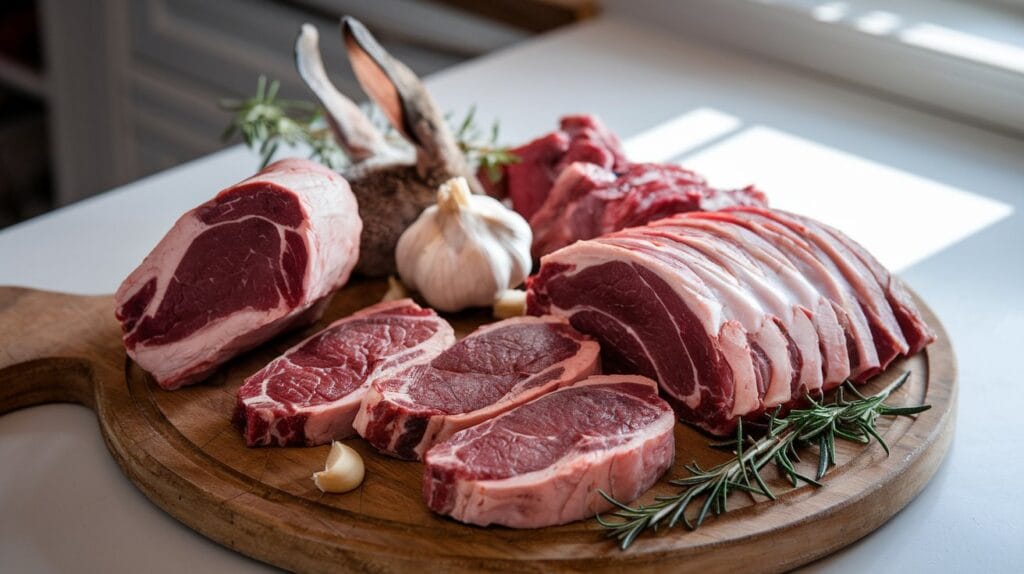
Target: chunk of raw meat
x: 579, y: 138
x: 311, y: 393
x: 544, y: 462
x: 261, y: 257
x: 733, y: 311
x: 494, y: 369
x: 576, y: 183
x: 587, y: 201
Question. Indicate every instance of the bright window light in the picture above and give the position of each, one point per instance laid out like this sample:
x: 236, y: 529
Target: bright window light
x: 969, y: 46
x: 878, y: 23
x: 830, y: 11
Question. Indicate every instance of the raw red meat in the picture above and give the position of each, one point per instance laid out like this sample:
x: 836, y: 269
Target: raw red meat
x: 733, y: 311
x: 494, y: 369
x: 311, y: 393
x: 580, y: 138
x: 544, y: 462
x: 576, y: 183
x: 259, y: 258
x: 587, y: 201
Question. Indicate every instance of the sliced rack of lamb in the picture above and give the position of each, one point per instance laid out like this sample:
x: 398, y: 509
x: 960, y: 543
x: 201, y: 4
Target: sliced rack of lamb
x: 734, y: 311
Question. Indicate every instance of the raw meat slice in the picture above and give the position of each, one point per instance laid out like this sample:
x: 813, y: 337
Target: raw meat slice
x: 587, y: 201
x: 494, y: 369
x: 783, y: 274
x: 765, y: 366
x: 259, y: 258
x: 544, y: 462
x: 789, y: 331
x: 820, y: 272
x: 311, y: 393
x: 886, y: 332
x: 651, y: 319
x: 733, y: 311
x: 915, y: 331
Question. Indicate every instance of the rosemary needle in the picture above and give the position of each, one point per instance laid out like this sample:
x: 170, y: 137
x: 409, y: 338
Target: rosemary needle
x: 265, y: 122
x: 819, y: 424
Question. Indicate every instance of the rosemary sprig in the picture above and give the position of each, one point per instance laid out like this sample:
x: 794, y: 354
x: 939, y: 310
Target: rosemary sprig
x: 819, y: 424
x: 265, y: 122
x: 482, y: 149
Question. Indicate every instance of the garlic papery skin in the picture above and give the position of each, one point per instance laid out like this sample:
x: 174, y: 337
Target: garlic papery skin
x: 344, y: 470
x: 465, y: 250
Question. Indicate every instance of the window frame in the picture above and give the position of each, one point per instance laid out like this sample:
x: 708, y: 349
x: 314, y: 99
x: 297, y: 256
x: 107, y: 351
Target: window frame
x: 789, y: 31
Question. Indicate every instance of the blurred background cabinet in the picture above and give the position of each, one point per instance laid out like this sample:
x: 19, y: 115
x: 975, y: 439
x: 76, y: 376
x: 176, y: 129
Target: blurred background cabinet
x: 96, y: 93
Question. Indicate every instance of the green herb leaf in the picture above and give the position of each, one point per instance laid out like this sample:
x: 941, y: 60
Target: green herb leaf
x: 819, y: 424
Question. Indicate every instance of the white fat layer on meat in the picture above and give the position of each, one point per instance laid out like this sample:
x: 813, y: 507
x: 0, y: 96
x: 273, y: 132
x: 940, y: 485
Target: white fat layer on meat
x: 329, y: 219
x: 736, y: 349
x: 831, y: 283
x: 775, y: 300
x: 780, y: 272
x: 871, y: 294
x: 333, y: 420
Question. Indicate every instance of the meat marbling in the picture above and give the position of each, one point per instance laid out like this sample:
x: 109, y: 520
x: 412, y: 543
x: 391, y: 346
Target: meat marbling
x: 311, y: 393
x: 259, y: 258
x: 543, y: 463
x: 494, y: 369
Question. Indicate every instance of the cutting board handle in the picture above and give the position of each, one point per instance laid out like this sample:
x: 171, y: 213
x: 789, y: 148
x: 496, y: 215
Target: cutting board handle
x: 53, y: 346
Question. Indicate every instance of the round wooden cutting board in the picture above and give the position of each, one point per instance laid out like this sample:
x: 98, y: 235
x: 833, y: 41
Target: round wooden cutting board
x: 180, y: 449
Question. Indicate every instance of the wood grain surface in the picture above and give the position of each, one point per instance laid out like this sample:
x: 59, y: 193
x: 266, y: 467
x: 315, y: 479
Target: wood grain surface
x: 180, y: 449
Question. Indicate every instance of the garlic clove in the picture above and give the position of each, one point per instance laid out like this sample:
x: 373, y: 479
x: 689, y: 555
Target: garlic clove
x: 396, y: 290
x: 510, y: 303
x: 344, y: 470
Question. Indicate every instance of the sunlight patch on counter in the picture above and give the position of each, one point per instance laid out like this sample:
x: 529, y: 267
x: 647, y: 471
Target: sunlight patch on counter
x: 900, y: 217
x: 679, y: 135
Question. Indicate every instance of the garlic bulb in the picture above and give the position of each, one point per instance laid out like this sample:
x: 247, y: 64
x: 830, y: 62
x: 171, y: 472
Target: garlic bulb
x: 465, y: 250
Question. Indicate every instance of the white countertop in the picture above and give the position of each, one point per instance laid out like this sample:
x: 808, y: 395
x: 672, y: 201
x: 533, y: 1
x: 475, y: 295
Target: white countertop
x: 937, y: 200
